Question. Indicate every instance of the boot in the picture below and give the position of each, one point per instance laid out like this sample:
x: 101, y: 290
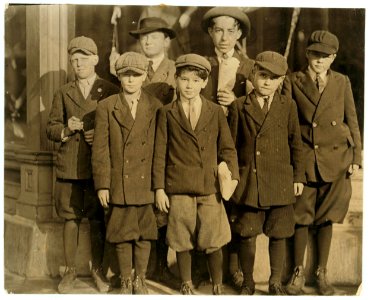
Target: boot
x: 218, y: 289
x: 140, y: 286
x: 126, y: 286
x: 100, y: 280
x: 324, y: 287
x: 297, y: 281
x: 68, y: 281
x: 187, y: 288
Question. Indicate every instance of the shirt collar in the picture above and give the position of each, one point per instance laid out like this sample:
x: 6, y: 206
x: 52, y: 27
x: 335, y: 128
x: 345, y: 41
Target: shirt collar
x: 313, y: 74
x: 157, y: 61
x: 220, y: 54
x: 88, y: 81
x: 196, y: 100
x: 135, y: 97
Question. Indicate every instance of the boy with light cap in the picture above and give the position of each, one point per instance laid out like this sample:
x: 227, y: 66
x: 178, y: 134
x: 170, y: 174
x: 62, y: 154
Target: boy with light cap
x: 192, y: 138
x: 332, y: 147
x: 122, y: 163
x: 265, y: 128
x: 71, y: 123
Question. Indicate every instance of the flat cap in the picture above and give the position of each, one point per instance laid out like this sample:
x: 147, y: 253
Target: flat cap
x: 151, y: 24
x: 273, y: 62
x: 192, y: 59
x: 82, y: 44
x: 131, y: 61
x: 233, y: 12
x: 323, y: 41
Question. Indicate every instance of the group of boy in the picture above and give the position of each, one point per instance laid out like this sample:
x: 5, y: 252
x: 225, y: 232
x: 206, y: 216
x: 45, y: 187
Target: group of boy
x: 161, y: 139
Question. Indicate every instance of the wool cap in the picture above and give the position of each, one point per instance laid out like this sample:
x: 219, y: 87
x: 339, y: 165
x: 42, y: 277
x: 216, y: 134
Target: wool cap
x: 83, y: 44
x: 273, y: 62
x: 233, y: 12
x: 151, y: 24
x: 323, y: 41
x: 131, y: 61
x: 192, y: 59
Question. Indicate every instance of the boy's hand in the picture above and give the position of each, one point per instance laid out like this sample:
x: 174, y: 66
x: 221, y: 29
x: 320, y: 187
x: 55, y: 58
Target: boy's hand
x: 298, y: 188
x: 353, y: 169
x: 74, y: 124
x: 225, y: 97
x: 89, y: 136
x: 103, y: 196
x: 162, y: 201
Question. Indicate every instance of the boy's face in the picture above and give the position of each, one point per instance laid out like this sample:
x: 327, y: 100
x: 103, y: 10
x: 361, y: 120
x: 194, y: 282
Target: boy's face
x: 83, y: 65
x: 131, y: 82
x: 265, y: 82
x: 320, y: 62
x: 154, y: 43
x: 189, y: 84
x: 225, y: 33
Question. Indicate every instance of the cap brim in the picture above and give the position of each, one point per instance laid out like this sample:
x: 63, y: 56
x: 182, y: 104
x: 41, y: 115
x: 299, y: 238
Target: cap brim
x: 322, y: 48
x: 271, y: 67
x: 85, y: 51
x: 132, y: 69
x: 179, y: 65
x: 168, y: 31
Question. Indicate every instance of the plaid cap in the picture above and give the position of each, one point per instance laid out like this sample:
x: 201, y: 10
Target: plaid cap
x: 323, y: 41
x: 131, y: 61
x: 83, y: 44
x: 192, y: 59
x: 273, y: 62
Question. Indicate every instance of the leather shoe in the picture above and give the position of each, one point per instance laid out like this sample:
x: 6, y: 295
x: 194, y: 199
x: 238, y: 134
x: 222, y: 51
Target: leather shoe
x: 297, y: 281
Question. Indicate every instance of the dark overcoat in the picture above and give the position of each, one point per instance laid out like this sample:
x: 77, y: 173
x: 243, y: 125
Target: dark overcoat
x: 123, y: 149
x: 186, y: 160
x: 269, y: 151
x: 328, y: 122
x: 74, y: 155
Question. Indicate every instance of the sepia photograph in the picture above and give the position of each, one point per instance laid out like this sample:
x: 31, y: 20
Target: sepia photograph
x: 173, y: 149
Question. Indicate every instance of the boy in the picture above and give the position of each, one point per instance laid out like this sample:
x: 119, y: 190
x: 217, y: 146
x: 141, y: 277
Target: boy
x: 71, y: 122
x: 332, y: 147
x: 192, y: 137
x: 122, y: 162
x: 265, y: 127
x: 154, y: 37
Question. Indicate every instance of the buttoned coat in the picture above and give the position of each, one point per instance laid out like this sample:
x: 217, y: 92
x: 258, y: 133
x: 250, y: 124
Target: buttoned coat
x: 123, y: 149
x: 328, y: 122
x: 269, y: 151
x: 243, y: 73
x: 162, y: 84
x: 186, y: 160
x: 74, y: 155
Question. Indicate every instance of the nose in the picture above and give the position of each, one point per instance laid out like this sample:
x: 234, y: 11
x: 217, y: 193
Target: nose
x: 224, y: 35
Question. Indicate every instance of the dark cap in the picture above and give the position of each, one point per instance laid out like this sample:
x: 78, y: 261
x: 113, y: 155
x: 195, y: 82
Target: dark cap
x: 83, y: 44
x: 273, y: 62
x: 131, y: 61
x: 195, y: 60
x: 151, y: 24
x: 323, y: 41
x: 233, y: 12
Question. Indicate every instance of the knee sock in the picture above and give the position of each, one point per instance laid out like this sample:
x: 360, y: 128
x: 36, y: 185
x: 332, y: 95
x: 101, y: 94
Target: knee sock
x: 247, y: 257
x: 215, y: 263
x: 97, y: 238
x: 70, y: 241
x: 324, y: 236
x: 300, y: 244
x: 184, y: 260
x: 234, y: 264
x: 277, y: 248
x: 142, y: 250
x: 161, y: 248
x: 125, y: 257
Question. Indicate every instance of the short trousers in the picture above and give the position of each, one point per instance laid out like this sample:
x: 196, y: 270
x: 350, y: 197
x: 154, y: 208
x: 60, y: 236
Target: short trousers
x: 197, y: 222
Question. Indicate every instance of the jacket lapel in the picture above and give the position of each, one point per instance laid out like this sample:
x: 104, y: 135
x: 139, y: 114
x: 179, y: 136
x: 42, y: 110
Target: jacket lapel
x: 143, y: 115
x: 161, y: 72
x: 122, y: 112
x: 308, y: 87
x: 251, y: 106
x: 206, y: 114
x: 178, y: 114
x: 328, y: 93
x: 75, y: 94
x: 274, y: 112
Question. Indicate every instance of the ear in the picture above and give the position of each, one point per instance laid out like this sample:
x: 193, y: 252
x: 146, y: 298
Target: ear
x: 239, y: 33
x: 205, y: 83
x: 166, y: 42
x: 209, y: 30
x: 95, y: 59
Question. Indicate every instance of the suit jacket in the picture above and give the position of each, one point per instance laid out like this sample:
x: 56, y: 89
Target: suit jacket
x: 186, y: 160
x: 269, y: 151
x: 162, y: 85
x: 123, y: 149
x: 328, y: 122
x: 73, y: 158
x: 243, y: 73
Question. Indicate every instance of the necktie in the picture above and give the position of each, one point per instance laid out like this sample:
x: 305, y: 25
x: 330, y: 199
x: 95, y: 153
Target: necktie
x: 192, y: 114
x: 133, y: 108
x: 265, y: 106
x: 320, y: 84
x: 84, y: 87
x: 150, y: 70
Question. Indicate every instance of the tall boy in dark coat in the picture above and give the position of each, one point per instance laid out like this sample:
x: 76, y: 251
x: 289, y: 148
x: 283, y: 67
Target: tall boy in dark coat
x: 71, y: 122
x: 192, y: 138
x: 332, y: 148
x: 266, y: 131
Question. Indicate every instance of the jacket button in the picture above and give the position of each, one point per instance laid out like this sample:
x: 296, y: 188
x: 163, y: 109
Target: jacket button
x: 202, y: 148
x: 143, y: 143
x: 314, y: 124
x: 316, y: 146
x: 126, y: 176
x: 258, y: 136
x: 333, y: 123
x: 257, y: 152
x: 127, y: 161
x: 254, y: 170
x: 142, y: 176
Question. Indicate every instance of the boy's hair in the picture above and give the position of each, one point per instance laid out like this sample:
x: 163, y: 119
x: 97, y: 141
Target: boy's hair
x: 203, y: 74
